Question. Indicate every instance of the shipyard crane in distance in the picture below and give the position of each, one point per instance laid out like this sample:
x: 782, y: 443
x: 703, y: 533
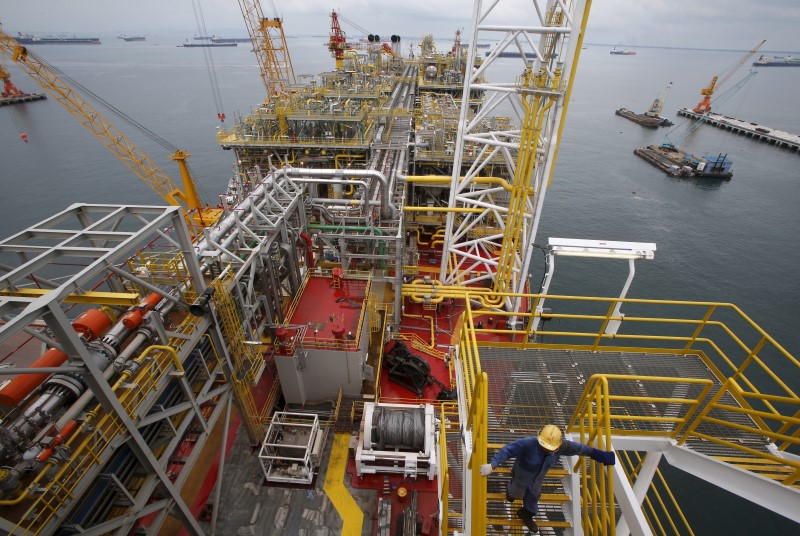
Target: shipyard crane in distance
x: 114, y: 140
x: 704, y: 106
x: 337, y: 43
x: 9, y: 89
x: 269, y: 45
x: 658, y: 104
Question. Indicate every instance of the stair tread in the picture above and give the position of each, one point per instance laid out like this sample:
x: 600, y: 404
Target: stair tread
x: 493, y: 520
x: 546, y: 497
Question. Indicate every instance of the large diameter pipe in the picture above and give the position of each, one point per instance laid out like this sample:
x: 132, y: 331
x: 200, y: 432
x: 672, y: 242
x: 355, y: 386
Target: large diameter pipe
x: 91, y: 324
x: 387, y: 209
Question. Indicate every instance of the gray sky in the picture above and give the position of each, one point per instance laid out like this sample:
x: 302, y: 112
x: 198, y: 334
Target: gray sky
x: 724, y: 24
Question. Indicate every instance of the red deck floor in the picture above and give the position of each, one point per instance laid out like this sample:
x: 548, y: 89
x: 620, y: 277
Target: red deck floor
x: 321, y: 306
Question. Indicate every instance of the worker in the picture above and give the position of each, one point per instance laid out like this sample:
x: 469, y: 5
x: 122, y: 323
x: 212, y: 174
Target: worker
x: 535, y: 455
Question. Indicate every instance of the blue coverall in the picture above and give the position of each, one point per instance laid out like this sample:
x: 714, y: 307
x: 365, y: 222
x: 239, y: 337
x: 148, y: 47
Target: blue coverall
x: 531, y: 466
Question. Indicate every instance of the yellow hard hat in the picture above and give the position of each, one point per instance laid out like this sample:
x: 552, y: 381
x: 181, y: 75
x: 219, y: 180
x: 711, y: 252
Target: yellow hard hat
x: 550, y: 437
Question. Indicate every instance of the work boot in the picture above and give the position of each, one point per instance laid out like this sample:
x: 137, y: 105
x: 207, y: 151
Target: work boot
x: 527, y: 517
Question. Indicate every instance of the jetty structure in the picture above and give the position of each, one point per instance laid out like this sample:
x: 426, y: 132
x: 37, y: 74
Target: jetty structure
x: 10, y: 94
x: 779, y: 138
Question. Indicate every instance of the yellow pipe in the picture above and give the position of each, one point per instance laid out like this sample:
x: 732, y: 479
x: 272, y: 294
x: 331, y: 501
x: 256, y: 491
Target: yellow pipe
x: 430, y: 319
x: 441, y: 209
x: 438, y: 234
x: 570, y: 81
x: 348, y: 156
x: 172, y: 353
x: 534, y: 118
x: 441, y: 179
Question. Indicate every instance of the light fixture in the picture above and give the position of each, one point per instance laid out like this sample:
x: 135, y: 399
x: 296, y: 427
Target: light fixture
x: 602, y: 249
x: 606, y: 249
x: 201, y: 308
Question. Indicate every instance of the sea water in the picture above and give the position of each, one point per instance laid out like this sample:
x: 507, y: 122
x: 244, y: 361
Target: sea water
x: 729, y: 241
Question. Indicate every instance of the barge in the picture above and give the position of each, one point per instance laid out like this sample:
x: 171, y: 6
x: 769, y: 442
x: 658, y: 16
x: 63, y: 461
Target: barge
x: 641, y: 119
x: 679, y: 163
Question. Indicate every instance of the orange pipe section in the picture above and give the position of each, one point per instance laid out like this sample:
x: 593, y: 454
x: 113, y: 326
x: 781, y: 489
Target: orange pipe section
x: 91, y: 324
x: 24, y: 384
x: 133, y: 318
x: 60, y: 438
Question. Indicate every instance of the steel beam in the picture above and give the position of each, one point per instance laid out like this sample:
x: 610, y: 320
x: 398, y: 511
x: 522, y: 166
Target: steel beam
x: 629, y: 505
x: 106, y: 397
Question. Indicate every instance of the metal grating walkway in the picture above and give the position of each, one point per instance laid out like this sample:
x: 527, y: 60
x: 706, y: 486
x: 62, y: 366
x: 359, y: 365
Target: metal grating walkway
x: 529, y: 388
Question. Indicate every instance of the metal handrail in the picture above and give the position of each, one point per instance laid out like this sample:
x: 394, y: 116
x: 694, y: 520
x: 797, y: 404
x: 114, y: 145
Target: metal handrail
x: 592, y: 418
x: 746, y: 368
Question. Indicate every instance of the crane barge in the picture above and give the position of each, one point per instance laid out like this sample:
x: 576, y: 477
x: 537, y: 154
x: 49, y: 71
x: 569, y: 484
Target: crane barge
x: 356, y: 332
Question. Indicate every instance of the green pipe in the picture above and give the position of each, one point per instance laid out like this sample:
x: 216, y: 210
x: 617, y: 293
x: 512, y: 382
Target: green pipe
x: 381, y: 244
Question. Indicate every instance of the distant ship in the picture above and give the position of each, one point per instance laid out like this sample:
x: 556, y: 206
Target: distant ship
x: 132, y: 37
x: 28, y: 39
x: 230, y: 40
x: 187, y: 44
x: 509, y: 54
x: 777, y: 61
x: 623, y: 52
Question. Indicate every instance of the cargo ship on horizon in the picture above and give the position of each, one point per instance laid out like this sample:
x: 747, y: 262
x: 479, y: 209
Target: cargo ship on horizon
x: 777, y: 61
x: 29, y: 39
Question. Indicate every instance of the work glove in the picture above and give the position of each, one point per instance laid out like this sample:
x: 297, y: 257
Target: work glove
x: 486, y: 469
x: 606, y: 457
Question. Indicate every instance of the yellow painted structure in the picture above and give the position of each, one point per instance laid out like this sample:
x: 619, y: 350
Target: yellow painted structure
x: 352, y: 516
x: 126, y: 299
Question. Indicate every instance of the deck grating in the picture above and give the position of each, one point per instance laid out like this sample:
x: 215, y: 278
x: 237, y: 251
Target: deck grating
x: 529, y: 388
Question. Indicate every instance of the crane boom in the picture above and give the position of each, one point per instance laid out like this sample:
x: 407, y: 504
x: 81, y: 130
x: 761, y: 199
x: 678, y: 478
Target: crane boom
x: 269, y: 45
x: 116, y: 142
x: 658, y: 105
x: 337, y: 43
x: 704, y: 106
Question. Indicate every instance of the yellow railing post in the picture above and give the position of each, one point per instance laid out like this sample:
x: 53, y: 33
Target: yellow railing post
x: 444, y: 475
x: 478, y: 423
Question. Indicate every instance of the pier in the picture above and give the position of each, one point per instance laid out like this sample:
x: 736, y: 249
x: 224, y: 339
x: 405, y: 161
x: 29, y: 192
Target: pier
x: 26, y: 97
x: 780, y: 138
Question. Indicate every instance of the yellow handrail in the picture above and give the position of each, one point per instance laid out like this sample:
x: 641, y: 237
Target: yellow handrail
x: 478, y: 424
x: 592, y: 418
x: 444, y: 473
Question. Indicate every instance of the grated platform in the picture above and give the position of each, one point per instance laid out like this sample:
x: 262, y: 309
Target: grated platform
x: 530, y: 388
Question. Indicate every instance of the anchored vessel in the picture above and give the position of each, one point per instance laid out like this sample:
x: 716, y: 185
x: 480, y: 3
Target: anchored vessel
x: 340, y: 344
x: 777, y: 61
x: 28, y: 39
x: 679, y: 163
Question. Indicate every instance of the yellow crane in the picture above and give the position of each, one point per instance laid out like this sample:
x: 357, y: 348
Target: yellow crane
x: 658, y: 104
x: 116, y: 142
x: 269, y: 45
x: 705, y: 105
